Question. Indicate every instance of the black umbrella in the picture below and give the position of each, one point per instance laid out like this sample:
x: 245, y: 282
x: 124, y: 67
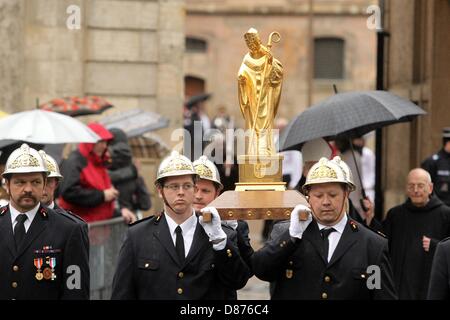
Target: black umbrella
x: 192, y: 101
x: 350, y: 114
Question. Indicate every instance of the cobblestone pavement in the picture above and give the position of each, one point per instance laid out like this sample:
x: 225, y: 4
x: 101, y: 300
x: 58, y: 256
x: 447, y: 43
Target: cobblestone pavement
x: 255, y: 289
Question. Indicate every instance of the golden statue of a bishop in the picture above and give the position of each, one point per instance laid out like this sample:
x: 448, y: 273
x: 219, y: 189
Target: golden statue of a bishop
x: 260, y: 78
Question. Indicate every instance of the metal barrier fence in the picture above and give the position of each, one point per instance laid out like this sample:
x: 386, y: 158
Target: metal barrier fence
x: 105, y: 240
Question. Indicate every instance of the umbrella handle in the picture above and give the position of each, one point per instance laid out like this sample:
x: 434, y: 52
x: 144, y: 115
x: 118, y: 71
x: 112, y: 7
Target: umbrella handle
x: 363, y: 192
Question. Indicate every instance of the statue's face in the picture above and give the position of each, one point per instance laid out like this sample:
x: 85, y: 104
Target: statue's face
x: 253, y: 42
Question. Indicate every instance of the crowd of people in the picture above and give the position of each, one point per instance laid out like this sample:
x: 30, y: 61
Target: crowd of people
x: 175, y: 254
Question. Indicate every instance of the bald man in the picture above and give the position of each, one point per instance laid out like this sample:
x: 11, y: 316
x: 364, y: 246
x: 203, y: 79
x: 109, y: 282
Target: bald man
x: 414, y: 228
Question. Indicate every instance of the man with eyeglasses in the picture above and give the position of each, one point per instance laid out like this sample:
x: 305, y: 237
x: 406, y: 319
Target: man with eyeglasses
x: 176, y: 255
x: 414, y: 228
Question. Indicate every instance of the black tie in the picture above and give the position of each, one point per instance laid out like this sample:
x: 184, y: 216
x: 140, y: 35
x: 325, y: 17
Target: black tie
x: 19, y: 229
x: 179, y: 244
x: 325, y: 232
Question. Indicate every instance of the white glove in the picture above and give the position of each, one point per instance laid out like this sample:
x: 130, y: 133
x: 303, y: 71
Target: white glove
x: 213, y: 229
x: 297, y: 227
x: 230, y: 223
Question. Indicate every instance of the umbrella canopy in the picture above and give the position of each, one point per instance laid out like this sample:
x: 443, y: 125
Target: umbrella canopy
x: 45, y: 127
x: 192, y: 101
x: 349, y: 114
x: 135, y: 122
x: 149, y: 145
x: 77, y: 106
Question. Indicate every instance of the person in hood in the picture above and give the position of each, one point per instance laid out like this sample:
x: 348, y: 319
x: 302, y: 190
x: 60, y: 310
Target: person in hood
x: 87, y: 189
x: 414, y: 228
x: 133, y: 193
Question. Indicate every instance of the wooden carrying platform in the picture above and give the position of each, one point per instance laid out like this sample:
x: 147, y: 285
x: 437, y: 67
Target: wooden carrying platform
x: 257, y: 205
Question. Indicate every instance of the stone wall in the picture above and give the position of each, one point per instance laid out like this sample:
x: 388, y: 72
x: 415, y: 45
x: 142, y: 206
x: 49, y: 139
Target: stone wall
x: 227, y: 21
x: 128, y: 51
x: 417, y: 68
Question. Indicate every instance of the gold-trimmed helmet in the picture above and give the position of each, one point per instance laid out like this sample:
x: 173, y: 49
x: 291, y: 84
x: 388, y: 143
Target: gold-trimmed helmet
x: 175, y: 165
x: 25, y: 160
x: 348, y: 173
x: 52, y: 165
x: 325, y: 171
x: 207, y: 170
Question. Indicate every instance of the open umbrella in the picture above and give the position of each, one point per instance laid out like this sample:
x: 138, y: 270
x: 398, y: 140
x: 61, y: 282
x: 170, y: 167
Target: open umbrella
x: 192, y: 101
x: 45, y: 127
x: 77, y: 106
x: 135, y: 122
x: 349, y: 114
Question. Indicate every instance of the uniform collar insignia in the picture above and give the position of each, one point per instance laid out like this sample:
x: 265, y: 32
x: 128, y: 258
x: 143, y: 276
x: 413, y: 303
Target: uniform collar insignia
x: 353, y: 225
x: 43, y: 212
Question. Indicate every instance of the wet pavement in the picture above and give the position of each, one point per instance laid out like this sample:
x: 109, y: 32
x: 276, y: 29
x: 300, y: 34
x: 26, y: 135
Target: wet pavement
x: 255, y: 289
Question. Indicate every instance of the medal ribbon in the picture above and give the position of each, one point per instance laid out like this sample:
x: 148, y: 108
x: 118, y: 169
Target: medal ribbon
x: 38, y: 263
x: 52, y: 263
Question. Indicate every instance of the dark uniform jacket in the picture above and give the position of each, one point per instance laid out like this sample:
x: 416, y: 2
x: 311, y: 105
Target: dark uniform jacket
x: 242, y: 241
x: 440, y: 273
x: 438, y: 165
x: 80, y: 221
x: 148, y: 266
x: 301, y: 271
x: 405, y: 225
x: 51, y: 235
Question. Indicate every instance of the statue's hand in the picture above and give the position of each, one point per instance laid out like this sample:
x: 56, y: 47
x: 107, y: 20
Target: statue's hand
x: 241, y: 79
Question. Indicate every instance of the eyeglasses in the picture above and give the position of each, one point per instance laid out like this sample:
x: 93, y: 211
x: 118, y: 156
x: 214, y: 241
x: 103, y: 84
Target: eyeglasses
x: 176, y: 187
x: 419, y: 186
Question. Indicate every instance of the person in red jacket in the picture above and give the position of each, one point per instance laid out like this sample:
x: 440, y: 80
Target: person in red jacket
x: 87, y: 189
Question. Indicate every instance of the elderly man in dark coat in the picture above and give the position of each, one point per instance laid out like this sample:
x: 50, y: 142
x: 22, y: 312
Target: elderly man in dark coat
x: 414, y: 228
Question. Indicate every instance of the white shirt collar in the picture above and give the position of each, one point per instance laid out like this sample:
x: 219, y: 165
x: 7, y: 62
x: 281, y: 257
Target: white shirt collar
x: 339, y: 227
x: 30, y: 214
x: 187, y: 225
x: 51, y: 205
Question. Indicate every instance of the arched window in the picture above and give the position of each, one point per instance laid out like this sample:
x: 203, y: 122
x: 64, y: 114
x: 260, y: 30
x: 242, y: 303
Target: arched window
x: 196, y: 45
x: 329, y: 58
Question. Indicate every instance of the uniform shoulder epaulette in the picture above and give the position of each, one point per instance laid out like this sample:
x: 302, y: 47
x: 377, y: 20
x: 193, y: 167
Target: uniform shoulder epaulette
x: 72, y: 216
x: 155, y: 217
x: 378, y: 232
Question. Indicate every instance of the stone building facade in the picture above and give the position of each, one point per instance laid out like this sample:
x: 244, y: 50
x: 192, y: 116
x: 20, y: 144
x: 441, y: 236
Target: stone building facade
x: 215, y: 48
x: 417, y: 67
x: 127, y: 51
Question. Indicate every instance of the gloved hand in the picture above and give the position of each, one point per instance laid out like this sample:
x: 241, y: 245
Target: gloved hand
x: 297, y: 227
x: 214, y: 229
x: 230, y: 223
